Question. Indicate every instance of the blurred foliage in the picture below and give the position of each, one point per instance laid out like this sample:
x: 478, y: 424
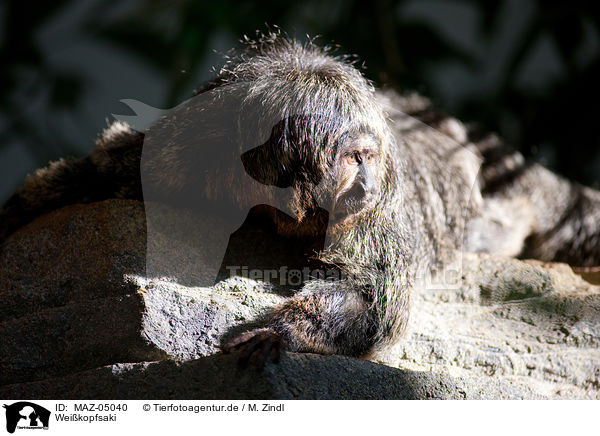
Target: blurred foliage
x: 176, y: 36
x: 19, y: 52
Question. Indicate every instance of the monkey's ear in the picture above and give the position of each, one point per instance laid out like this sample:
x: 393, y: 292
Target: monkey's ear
x: 263, y: 166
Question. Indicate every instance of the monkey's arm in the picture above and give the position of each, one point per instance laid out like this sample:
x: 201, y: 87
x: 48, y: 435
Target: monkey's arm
x: 325, y: 320
x: 326, y: 317
x: 331, y: 318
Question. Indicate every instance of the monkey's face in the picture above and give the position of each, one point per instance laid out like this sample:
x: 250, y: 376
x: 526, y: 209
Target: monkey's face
x: 342, y: 178
x: 356, y: 172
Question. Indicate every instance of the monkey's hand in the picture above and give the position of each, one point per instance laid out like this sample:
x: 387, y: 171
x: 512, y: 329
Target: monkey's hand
x: 256, y: 347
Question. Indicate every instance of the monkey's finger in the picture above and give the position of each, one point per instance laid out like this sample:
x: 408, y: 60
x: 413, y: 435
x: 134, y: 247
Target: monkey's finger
x: 257, y: 359
x: 266, y: 349
x: 276, y: 352
x: 248, y: 348
x: 238, y: 341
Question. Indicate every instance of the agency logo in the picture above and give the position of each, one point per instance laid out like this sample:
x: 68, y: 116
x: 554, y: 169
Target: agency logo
x: 26, y: 415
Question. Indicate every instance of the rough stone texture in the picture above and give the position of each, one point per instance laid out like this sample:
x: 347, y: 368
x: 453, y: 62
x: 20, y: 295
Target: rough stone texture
x: 76, y: 298
x: 531, y: 322
x: 71, y: 338
x: 76, y: 254
x: 60, y: 317
x: 65, y: 305
x: 297, y: 376
x: 187, y: 323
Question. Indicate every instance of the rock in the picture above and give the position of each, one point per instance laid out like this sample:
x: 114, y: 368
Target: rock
x: 528, y: 321
x: 75, y: 303
x: 71, y: 338
x: 82, y: 318
x: 297, y: 376
x: 77, y: 254
x: 66, y: 306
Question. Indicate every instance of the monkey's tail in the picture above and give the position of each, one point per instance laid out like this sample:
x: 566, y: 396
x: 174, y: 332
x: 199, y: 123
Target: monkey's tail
x: 111, y: 171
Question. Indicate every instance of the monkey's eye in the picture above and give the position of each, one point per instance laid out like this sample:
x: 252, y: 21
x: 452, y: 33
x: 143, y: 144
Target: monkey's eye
x: 352, y: 158
x: 370, y: 157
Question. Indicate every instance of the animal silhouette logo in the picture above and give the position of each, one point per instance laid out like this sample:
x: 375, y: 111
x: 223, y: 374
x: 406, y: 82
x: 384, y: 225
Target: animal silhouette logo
x: 26, y: 415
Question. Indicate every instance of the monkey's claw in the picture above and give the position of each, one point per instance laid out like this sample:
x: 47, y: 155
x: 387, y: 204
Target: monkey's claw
x: 256, y: 347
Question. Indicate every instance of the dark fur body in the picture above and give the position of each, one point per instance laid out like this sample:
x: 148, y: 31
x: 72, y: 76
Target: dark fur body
x: 432, y: 203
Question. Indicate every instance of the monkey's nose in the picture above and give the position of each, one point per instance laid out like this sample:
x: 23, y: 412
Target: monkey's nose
x: 361, y: 193
x: 356, y: 193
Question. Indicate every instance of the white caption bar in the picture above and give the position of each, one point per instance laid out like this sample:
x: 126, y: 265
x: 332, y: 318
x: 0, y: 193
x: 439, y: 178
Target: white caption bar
x: 154, y: 417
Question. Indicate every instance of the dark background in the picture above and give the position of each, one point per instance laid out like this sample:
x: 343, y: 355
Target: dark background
x: 528, y: 69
